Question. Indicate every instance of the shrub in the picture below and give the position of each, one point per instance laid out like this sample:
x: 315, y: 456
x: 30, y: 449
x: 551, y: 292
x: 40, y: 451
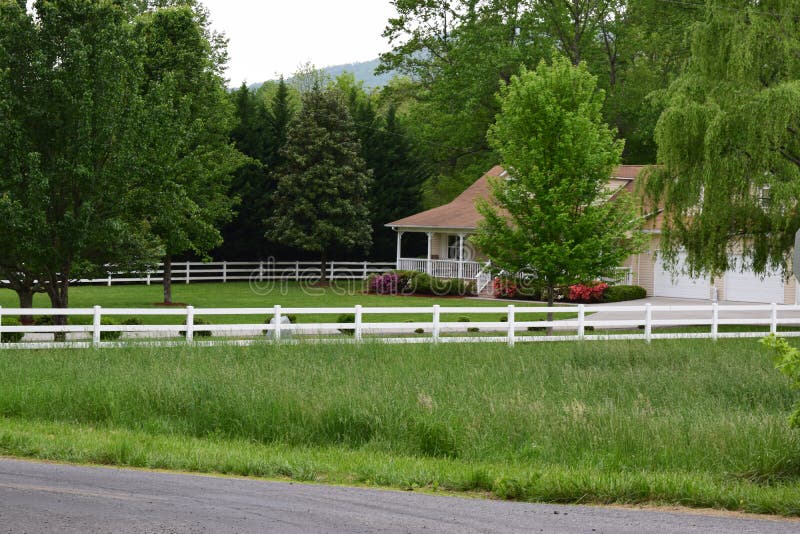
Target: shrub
x: 109, y: 336
x: 787, y: 361
x: 386, y: 284
x: 132, y: 321
x: 587, y: 292
x: 419, y: 331
x: 622, y: 293
x: 11, y: 337
x: 505, y: 288
x: 198, y: 333
x: 347, y: 318
x: 43, y: 320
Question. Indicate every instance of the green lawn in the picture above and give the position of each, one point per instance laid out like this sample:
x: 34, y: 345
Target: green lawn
x: 286, y: 294
x: 694, y: 423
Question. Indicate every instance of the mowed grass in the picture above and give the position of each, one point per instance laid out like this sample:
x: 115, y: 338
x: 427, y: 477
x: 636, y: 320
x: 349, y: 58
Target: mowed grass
x: 694, y: 423
x: 342, y: 294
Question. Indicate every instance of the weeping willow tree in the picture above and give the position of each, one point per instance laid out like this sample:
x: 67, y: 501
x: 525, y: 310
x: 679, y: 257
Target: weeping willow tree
x: 729, y: 141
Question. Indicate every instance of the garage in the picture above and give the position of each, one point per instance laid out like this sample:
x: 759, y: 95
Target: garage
x: 748, y: 286
x: 679, y: 285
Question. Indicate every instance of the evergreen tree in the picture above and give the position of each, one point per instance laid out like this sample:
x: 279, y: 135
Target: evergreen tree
x: 260, y: 133
x: 321, y: 200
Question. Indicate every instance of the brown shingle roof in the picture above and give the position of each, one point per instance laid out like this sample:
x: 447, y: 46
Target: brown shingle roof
x: 461, y: 212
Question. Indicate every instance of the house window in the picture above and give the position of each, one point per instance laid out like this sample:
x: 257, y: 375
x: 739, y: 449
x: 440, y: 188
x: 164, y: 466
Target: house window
x: 763, y: 197
x: 452, y: 247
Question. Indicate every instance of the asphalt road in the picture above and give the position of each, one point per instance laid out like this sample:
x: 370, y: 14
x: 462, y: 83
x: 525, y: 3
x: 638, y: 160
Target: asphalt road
x: 38, y: 497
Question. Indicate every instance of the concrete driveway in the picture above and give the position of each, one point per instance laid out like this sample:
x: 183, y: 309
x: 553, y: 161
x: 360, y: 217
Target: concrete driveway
x: 727, y: 310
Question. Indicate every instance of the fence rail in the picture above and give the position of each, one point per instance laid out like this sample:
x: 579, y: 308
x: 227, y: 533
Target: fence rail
x: 510, y: 330
x: 234, y: 271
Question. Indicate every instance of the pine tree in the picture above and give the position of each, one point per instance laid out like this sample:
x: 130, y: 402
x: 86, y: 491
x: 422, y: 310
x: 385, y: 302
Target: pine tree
x: 321, y: 199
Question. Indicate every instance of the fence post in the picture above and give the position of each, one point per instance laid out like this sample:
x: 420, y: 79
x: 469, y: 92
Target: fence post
x: 188, y: 271
x: 277, y: 332
x: 511, y: 326
x: 109, y: 279
x: 148, y: 278
x: 189, y: 324
x: 648, y: 322
x: 96, y: 326
x: 581, y: 321
x: 435, y: 331
x: 773, y: 324
x: 333, y: 270
x: 224, y: 272
x: 358, y: 322
x: 1, y: 324
x: 297, y: 271
x: 261, y: 271
x: 364, y: 276
x: 714, y: 321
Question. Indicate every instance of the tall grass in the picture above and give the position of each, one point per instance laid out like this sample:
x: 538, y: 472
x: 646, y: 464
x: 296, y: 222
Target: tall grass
x: 688, y: 412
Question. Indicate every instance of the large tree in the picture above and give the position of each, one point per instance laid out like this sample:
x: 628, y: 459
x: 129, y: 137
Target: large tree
x: 191, y: 157
x: 69, y: 110
x: 553, y: 216
x: 321, y: 201
x: 729, y: 141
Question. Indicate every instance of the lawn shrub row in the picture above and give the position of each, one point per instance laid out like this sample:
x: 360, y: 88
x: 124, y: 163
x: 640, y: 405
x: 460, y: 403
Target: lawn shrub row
x: 417, y: 283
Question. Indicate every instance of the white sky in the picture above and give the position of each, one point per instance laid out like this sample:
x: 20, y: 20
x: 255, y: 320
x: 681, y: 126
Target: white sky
x: 272, y: 37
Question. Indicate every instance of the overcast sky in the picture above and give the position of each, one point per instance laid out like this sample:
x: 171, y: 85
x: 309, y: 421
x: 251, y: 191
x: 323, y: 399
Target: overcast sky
x: 272, y: 37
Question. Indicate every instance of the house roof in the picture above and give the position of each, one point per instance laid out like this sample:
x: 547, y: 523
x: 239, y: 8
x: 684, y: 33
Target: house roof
x: 461, y: 213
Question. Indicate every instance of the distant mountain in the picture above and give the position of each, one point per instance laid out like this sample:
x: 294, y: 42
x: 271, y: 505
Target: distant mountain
x: 363, y: 72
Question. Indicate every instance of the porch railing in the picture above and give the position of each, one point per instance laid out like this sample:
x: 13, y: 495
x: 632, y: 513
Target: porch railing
x: 442, y: 268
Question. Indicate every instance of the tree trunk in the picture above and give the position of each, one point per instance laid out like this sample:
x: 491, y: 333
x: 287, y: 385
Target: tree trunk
x: 58, y: 291
x: 167, y: 279
x: 550, y: 299
x: 25, y: 301
x: 323, y: 268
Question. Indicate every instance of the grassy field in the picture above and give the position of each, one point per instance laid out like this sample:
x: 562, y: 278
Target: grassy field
x: 286, y: 294
x: 693, y: 423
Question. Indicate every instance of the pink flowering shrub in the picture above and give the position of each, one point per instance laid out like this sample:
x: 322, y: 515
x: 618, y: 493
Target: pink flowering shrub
x: 587, y: 292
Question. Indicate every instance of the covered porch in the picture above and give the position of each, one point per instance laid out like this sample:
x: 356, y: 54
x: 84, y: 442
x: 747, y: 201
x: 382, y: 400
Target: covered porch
x: 449, y: 254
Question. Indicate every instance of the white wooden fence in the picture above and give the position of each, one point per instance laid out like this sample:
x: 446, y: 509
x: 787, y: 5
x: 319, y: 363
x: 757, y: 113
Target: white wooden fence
x: 232, y: 271
x: 510, y: 331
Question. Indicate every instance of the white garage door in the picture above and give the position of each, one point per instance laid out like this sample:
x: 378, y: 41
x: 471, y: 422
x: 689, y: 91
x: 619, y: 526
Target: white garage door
x: 665, y: 284
x: 750, y: 287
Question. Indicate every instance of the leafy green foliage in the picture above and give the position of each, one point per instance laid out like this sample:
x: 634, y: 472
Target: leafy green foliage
x: 11, y: 337
x: 787, y: 361
x: 729, y: 140
x: 70, y: 115
x: 191, y: 158
x: 459, y: 52
x: 552, y: 216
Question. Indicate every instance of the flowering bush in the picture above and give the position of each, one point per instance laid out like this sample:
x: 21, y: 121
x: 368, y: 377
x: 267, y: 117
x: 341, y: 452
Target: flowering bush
x: 587, y: 293
x: 505, y: 288
x: 385, y: 284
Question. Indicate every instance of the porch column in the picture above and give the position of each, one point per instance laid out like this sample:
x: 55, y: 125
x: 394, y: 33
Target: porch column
x: 430, y: 245
x: 399, y: 248
x: 460, y: 256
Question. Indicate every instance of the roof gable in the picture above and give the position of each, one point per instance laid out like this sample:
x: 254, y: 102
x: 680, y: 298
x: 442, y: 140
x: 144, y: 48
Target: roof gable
x: 461, y: 212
